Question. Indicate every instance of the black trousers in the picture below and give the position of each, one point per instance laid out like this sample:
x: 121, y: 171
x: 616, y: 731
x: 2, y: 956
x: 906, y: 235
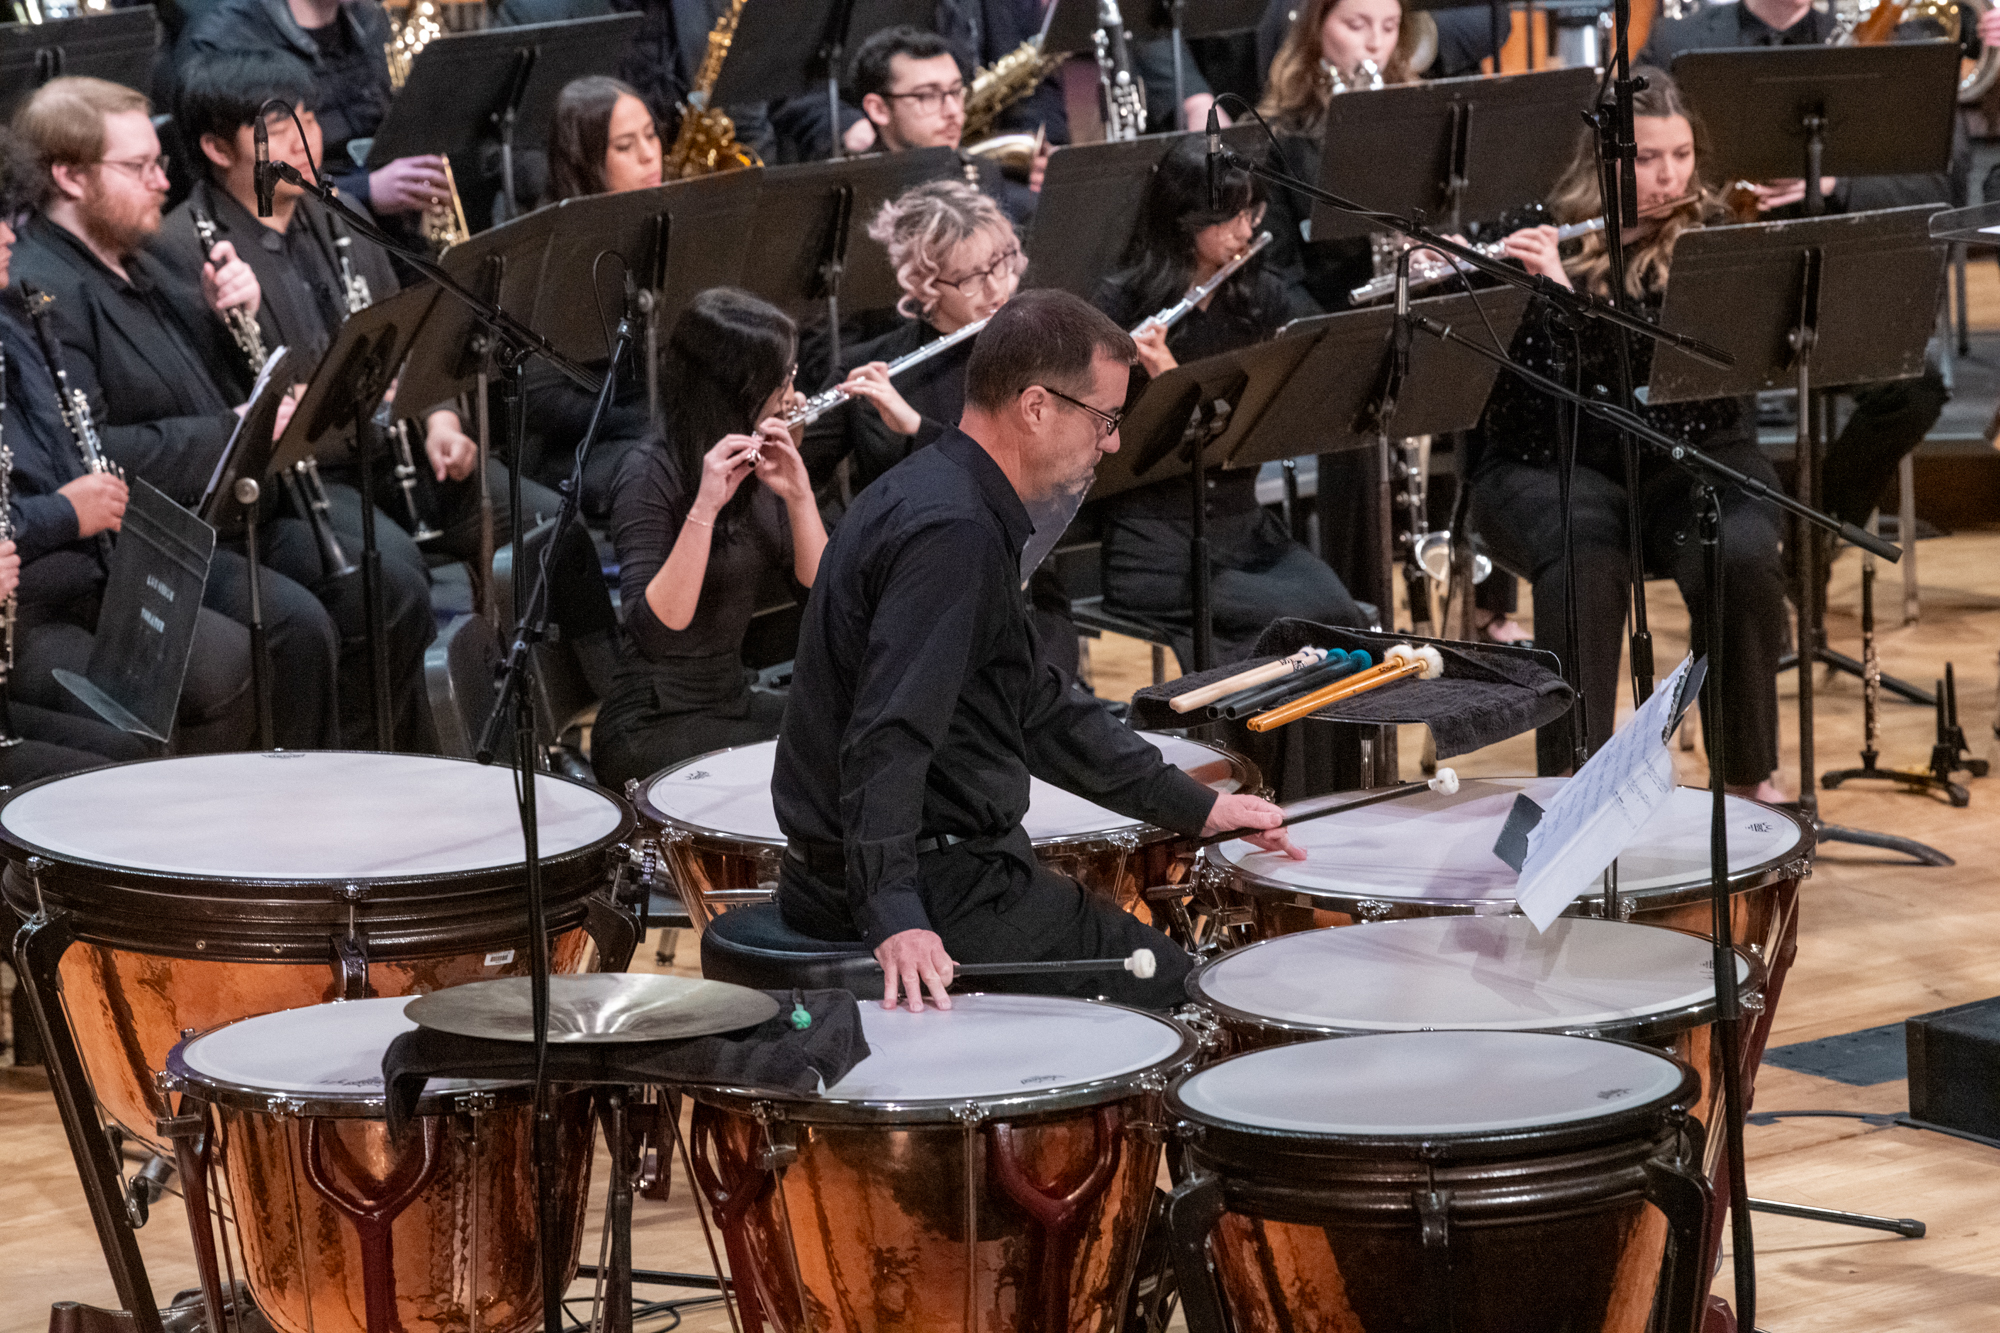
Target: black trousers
x: 452, y: 507
x: 54, y: 743
x: 1889, y: 420
x: 1257, y: 574
x: 217, y: 710
x: 288, y: 546
x: 1515, y: 507
x: 299, y: 635
x: 995, y: 903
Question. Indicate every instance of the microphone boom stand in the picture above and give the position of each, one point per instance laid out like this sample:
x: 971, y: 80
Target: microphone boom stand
x: 514, y: 343
x: 1706, y: 471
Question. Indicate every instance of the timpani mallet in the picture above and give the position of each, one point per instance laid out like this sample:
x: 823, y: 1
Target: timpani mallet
x: 1445, y: 783
x: 1400, y: 661
x: 1140, y: 964
x: 1243, y: 680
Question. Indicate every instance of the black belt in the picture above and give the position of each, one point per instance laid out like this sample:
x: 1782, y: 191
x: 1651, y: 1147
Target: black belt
x: 828, y: 860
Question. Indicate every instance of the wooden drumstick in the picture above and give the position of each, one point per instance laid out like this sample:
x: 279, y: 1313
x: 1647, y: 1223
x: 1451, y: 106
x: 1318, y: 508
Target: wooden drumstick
x: 1446, y: 782
x: 1398, y: 662
x: 1243, y: 680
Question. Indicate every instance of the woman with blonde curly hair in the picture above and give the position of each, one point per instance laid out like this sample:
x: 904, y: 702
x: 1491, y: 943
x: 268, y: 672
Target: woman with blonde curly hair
x: 957, y: 260
x: 1517, y: 468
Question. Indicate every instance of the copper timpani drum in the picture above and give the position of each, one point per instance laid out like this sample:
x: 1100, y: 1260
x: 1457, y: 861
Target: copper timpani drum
x: 1432, y: 855
x: 205, y: 889
x: 338, y: 1229
x: 988, y: 1169
x: 1581, y: 977
x: 720, y: 837
x: 1485, y: 1182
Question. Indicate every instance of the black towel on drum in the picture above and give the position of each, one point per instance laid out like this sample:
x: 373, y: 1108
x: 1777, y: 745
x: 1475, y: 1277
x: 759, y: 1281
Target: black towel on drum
x: 773, y: 1055
x: 1487, y: 693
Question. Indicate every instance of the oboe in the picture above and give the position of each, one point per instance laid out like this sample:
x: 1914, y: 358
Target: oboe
x: 73, y: 404
x: 242, y: 324
x: 817, y: 406
x: 7, y: 609
x: 1173, y: 314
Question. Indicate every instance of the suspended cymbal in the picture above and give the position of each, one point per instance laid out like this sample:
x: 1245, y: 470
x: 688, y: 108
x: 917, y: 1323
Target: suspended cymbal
x: 596, y: 1007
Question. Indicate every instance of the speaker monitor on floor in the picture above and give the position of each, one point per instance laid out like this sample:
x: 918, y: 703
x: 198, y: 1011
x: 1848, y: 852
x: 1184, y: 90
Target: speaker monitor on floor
x: 1955, y: 1068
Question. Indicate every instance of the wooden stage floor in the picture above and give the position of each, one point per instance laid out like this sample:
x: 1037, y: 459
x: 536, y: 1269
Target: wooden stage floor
x: 1881, y: 940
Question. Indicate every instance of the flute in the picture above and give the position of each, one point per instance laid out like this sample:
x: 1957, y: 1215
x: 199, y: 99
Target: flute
x: 1173, y: 314
x: 1428, y: 268
x: 817, y: 406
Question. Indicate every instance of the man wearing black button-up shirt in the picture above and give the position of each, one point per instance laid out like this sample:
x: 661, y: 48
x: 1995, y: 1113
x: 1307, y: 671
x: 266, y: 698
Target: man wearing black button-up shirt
x: 919, y: 706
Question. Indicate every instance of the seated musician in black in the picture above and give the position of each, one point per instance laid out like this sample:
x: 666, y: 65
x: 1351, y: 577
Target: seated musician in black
x: 311, y: 270
x: 54, y: 529
x: 704, y: 521
x: 1259, y: 573
x: 137, y: 344
x: 957, y: 260
x: 1515, y: 476
x: 919, y: 707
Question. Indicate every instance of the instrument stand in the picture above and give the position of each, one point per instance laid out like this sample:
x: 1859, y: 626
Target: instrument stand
x: 466, y: 87
x: 1811, y: 300
x: 1945, y: 755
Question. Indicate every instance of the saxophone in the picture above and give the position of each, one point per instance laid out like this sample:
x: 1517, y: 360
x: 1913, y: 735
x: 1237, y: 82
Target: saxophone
x: 443, y: 223
x: 242, y: 324
x: 706, y: 141
x: 998, y: 86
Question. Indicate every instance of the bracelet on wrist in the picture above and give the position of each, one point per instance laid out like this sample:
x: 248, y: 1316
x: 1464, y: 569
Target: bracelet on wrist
x: 700, y: 522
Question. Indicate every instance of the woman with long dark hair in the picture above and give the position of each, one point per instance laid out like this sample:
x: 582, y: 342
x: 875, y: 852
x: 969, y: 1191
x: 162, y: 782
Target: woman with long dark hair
x: 1516, y: 474
x: 602, y: 140
x: 701, y: 519
x: 1259, y: 572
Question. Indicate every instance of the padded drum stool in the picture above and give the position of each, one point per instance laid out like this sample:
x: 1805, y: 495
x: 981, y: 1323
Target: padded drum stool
x: 752, y: 946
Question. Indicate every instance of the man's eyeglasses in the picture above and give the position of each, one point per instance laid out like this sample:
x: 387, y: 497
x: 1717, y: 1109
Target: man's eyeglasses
x: 1107, y: 422
x: 928, y: 100
x: 138, y: 166
x: 1004, y: 263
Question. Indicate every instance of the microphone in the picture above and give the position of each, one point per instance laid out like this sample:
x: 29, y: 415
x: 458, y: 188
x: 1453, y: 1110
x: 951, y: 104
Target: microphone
x: 1214, y: 156
x: 266, y: 184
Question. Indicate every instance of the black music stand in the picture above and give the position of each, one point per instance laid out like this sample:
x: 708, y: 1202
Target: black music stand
x: 117, y: 46
x: 145, y: 632
x: 1318, y: 388
x: 502, y: 82
x: 1092, y: 196
x: 1778, y: 112
x: 1520, y: 128
x: 1850, y: 299
x: 768, y: 61
x: 1182, y: 19
x: 808, y: 241
x: 342, y: 395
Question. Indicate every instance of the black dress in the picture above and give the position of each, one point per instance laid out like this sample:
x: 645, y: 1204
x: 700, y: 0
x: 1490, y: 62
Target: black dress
x: 1515, y: 507
x: 1259, y: 573
x: 682, y: 693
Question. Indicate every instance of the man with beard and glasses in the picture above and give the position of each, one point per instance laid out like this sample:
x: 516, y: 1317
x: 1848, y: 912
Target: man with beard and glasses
x: 920, y: 706
x: 138, y: 343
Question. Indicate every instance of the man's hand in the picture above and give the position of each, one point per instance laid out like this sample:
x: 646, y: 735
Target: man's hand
x: 99, y: 501
x: 228, y: 283
x: 912, y: 960
x: 408, y: 185
x: 452, y: 452
x: 860, y: 136
x: 1240, y: 811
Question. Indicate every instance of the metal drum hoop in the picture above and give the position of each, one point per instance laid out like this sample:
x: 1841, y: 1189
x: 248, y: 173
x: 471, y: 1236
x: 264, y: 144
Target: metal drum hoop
x: 360, y: 1106
x: 1646, y: 1030
x: 821, y: 1110
x: 268, y: 919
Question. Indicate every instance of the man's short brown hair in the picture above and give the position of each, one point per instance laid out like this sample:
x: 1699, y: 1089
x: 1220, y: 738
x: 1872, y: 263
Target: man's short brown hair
x: 1045, y: 336
x: 62, y: 123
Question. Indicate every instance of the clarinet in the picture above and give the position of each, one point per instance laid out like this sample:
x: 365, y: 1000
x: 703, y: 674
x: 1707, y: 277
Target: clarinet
x: 8, y: 736
x: 308, y: 494
x: 354, y: 287
x: 1174, y: 313
x: 825, y: 401
x: 1124, y: 96
x: 242, y: 324
x: 352, y: 284
x: 73, y: 404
